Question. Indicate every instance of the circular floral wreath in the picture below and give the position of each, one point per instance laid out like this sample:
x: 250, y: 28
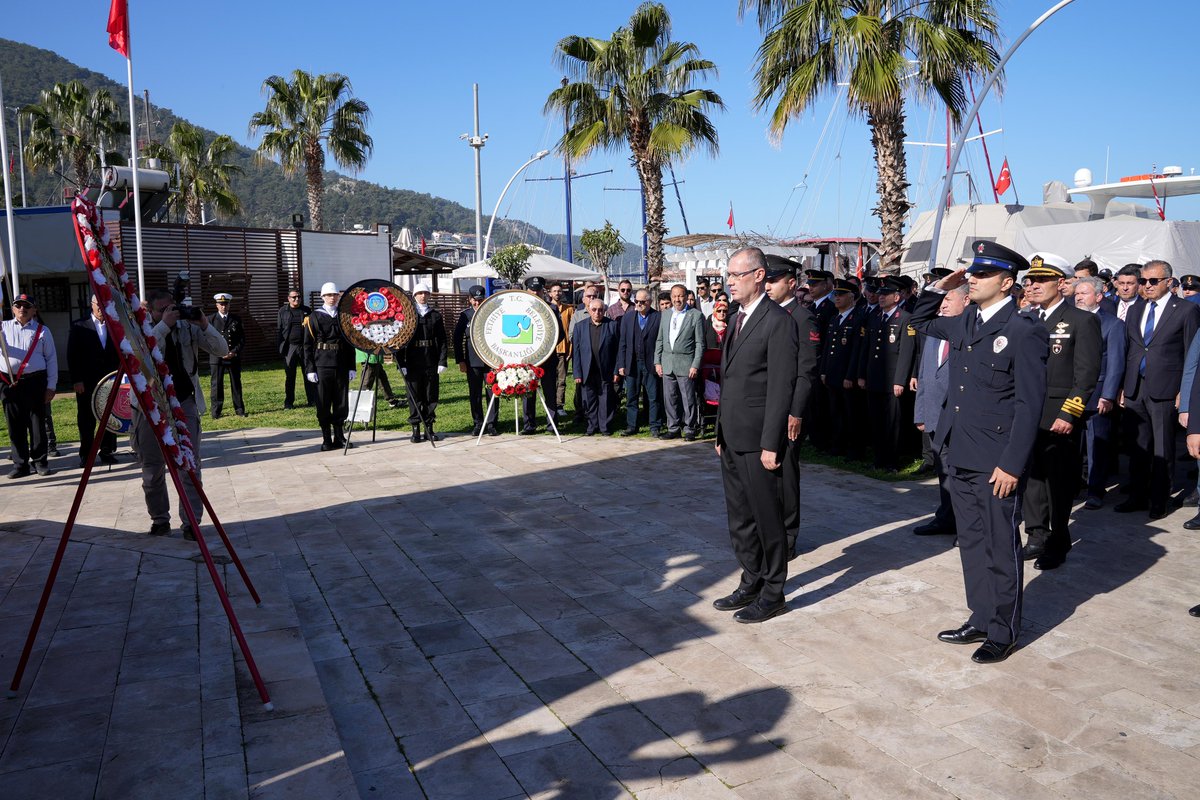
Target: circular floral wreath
x: 511, y: 380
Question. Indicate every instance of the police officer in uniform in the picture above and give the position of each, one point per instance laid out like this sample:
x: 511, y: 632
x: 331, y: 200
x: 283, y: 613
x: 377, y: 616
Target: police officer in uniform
x: 474, y: 367
x: 421, y: 362
x: 329, y: 363
x: 230, y: 326
x: 879, y: 356
x: 988, y: 426
x: 1071, y: 373
x: 837, y: 363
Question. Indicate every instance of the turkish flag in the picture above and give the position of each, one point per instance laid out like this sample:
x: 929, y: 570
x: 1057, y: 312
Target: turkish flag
x: 730, y: 223
x: 1005, y: 179
x: 118, y: 27
x: 422, y: 245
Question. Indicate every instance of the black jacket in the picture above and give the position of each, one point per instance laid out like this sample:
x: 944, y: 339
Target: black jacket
x: 464, y: 351
x: 289, y: 327
x: 807, y: 341
x: 232, y: 331
x: 637, y: 343
x: 428, y: 347
x: 1174, y: 327
x: 1073, y: 365
x: 841, y: 345
x: 325, y: 346
x: 879, y: 352
x: 86, y: 360
x: 758, y: 376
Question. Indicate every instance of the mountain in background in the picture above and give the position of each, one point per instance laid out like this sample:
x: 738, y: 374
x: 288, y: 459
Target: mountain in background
x: 269, y: 198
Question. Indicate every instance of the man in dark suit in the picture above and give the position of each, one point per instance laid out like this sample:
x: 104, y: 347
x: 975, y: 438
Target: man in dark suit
x: 836, y: 368
x: 780, y: 286
x: 1089, y: 297
x: 758, y: 376
x: 289, y: 326
x: 595, y: 367
x: 988, y: 427
x: 1193, y: 445
x: 932, y: 386
x: 635, y: 362
x: 230, y: 327
x: 819, y: 284
x: 91, y: 355
x: 1071, y: 372
x: 1157, y: 334
x: 878, y: 356
x: 475, y: 368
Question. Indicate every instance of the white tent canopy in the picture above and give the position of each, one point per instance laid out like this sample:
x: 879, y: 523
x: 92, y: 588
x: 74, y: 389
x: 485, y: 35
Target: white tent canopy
x: 1116, y: 241
x: 542, y: 265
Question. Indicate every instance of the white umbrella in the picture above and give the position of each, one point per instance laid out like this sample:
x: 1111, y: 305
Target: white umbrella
x: 543, y: 265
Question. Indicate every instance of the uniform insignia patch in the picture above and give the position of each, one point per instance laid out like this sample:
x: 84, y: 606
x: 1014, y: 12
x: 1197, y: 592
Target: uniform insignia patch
x: 999, y: 344
x: 891, y: 338
x: 1056, y: 349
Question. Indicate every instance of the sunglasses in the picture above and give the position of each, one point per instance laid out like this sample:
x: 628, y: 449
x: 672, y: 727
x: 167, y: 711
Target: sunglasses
x: 1151, y: 281
x: 22, y: 305
x: 641, y: 302
x: 624, y: 291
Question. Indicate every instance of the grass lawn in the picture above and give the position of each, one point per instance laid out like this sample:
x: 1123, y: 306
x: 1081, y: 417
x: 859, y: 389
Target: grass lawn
x: 262, y: 388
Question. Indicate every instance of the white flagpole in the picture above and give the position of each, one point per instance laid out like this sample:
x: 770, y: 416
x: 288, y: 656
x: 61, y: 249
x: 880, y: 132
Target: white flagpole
x: 8, y: 206
x: 137, y: 193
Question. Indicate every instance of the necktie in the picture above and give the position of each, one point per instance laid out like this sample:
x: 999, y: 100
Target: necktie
x: 1146, y: 334
x: 944, y: 353
x: 1042, y: 314
x: 737, y: 326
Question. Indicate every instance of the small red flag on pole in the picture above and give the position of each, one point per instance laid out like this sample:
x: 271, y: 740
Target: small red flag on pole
x: 859, y: 270
x: 118, y: 27
x: 730, y: 222
x: 1005, y: 179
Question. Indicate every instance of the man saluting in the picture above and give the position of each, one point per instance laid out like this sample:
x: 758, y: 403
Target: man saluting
x: 988, y: 425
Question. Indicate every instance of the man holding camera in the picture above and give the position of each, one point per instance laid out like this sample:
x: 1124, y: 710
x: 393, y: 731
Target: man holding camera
x: 180, y: 342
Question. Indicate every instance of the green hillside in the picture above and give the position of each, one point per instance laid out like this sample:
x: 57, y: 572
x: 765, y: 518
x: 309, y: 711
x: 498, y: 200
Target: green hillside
x: 269, y: 197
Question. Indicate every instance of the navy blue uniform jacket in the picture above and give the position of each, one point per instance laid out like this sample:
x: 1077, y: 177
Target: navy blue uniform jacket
x: 636, y: 342
x: 997, y: 385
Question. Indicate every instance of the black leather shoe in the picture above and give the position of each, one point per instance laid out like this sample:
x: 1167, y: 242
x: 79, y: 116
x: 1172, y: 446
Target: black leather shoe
x: 589, y: 433
x: 188, y: 534
x: 159, y: 529
x: 629, y: 432
x: 326, y: 446
x: 669, y: 435
x: 109, y: 458
x: 1190, y: 499
x: 967, y: 634
x: 689, y: 437
x: 490, y: 430
x: 430, y: 435
x: 931, y: 529
x: 1157, y: 512
x: 1194, y: 611
x: 43, y: 470
x: 759, y: 611
x: 732, y: 602
x: 1132, y: 504
x: 1029, y: 552
x: 1193, y: 524
x: 1049, y: 561
x: 528, y: 431
x: 417, y: 436
x: 477, y: 429
x: 992, y: 652
x: 1093, y: 503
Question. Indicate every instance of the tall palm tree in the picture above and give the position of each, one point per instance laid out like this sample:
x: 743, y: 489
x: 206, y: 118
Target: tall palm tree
x: 304, y: 116
x: 636, y: 89
x: 71, y: 127
x: 204, y: 172
x: 874, y: 47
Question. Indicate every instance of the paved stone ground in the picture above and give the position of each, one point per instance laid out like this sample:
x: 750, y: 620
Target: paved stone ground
x: 526, y: 619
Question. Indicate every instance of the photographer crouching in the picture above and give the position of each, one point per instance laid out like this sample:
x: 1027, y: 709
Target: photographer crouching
x: 180, y: 339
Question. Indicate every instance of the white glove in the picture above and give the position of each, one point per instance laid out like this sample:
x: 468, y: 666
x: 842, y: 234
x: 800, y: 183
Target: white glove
x: 352, y: 374
x: 404, y: 371
x: 311, y: 377
x: 441, y: 370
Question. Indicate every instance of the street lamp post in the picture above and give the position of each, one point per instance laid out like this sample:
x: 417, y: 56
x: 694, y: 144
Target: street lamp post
x: 477, y: 142
x: 488, y: 239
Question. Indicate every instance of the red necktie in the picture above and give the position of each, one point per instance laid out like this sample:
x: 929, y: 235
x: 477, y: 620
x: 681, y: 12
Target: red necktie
x: 944, y: 354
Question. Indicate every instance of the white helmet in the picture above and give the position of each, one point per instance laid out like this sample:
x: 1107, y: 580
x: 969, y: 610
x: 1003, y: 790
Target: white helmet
x: 329, y: 287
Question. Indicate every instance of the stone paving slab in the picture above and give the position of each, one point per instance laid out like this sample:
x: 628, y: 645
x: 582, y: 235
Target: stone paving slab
x: 527, y: 619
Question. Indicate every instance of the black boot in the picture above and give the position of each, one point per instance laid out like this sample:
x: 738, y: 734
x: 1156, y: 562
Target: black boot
x: 430, y: 435
x: 417, y: 436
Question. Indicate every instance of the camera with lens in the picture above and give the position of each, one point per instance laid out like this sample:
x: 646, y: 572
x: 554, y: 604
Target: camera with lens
x: 182, y: 301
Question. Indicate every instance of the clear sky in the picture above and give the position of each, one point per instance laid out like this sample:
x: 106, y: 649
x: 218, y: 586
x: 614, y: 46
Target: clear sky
x: 1104, y: 79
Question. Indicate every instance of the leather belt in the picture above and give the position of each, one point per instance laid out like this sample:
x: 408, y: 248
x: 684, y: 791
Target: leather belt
x: 328, y: 345
x: 423, y: 342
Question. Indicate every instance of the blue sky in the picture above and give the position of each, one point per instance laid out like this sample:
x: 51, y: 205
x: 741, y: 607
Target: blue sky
x: 1097, y: 78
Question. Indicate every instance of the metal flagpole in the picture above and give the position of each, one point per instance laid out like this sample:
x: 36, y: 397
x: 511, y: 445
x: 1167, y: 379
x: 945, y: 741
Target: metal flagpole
x: 8, y: 206
x: 133, y: 162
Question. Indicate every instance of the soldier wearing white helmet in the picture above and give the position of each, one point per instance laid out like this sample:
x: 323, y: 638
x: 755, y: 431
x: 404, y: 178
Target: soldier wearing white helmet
x: 421, y: 362
x: 329, y: 363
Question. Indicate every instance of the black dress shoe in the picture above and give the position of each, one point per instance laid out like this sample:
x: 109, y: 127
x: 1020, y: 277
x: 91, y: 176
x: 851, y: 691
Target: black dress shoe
x: 967, y: 634
x: 1049, y: 561
x: 159, y: 529
x: 932, y: 529
x: 992, y: 652
x: 669, y: 435
x: 1194, y: 611
x: 477, y: 429
x: 430, y: 435
x: 326, y: 446
x: 760, y: 611
x: 1031, y: 551
x: 417, y: 436
x: 689, y: 437
x: 109, y: 458
x: 240, y: 413
x: 1193, y: 524
x: 1157, y: 512
x: 43, y: 470
x: 589, y: 433
x: 629, y: 432
x: 490, y: 430
x: 1094, y: 503
x: 528, y: 431
x: 1190, y: 499
x: 1132, y: 504
x: 732, y: 602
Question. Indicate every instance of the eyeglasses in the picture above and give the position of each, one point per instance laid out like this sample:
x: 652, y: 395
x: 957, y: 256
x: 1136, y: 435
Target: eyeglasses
x: 1151, y: 281
x: 293, y: 297
x: 625, y: 290
x: 720, y: 311
x: 742, y: 274
x: 641, y: 302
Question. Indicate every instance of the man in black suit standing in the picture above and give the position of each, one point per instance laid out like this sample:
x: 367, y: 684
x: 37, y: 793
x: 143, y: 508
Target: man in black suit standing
x: 1071, y: 372
x: 289, y: 326
x: 1158, y: 332
x: 1089, y: 297
x: 91, y: 355
x: 988, y: 427
x: 596, y: 367
x: 635, y: 361
x: 878, y: 356
x: 758, y: 376
x: 230, y: 327
x: 475, y: 368
x: 837, y: 369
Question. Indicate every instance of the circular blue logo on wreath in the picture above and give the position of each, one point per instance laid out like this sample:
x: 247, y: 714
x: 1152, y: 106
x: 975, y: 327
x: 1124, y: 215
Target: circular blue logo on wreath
x: 376, y: 303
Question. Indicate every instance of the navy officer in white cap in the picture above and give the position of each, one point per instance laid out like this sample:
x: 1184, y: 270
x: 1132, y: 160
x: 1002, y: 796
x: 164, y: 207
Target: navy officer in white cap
x: 230, y: 326
x: 988, y: 427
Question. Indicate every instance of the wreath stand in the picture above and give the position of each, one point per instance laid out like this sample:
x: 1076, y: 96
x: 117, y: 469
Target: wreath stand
x: 204, y: 551
x: 517, y: 416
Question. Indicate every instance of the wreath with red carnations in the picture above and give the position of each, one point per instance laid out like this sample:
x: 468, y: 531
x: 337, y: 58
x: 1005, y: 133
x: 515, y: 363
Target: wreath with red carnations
x: 513, y: 380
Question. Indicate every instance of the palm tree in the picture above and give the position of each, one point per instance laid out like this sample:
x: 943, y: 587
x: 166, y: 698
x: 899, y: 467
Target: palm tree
x: 204, y: 173
x: 71, y: 127
x: 636, y: 89
x: 873, y: 47
x: 304, y: 116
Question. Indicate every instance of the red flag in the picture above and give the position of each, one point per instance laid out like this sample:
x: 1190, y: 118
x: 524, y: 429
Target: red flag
x: 118, y: 27
x: 422, y: 245
x: 1005, y: 179
x: 730, y: 223
x: 859, y: 270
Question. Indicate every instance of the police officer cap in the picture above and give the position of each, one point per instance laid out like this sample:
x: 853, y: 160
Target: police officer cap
x: 940, y: 272
x: 1049, y: 265
x: 1105, y: 274
x: 892, y: 284
x: 1190, y: 282
x: 222, y: 297
x: 476, y: 292
x: 535, y: 284
x: 990, y: 257
x: 841, y: 285
x: 329, y: 287
x: 23, y: 299
x: 780, y: 267
x: 818, y: 275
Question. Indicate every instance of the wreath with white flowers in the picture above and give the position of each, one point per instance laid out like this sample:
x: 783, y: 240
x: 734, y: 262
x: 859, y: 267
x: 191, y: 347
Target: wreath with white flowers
x: 512, y: 380
x: 129, y: 325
